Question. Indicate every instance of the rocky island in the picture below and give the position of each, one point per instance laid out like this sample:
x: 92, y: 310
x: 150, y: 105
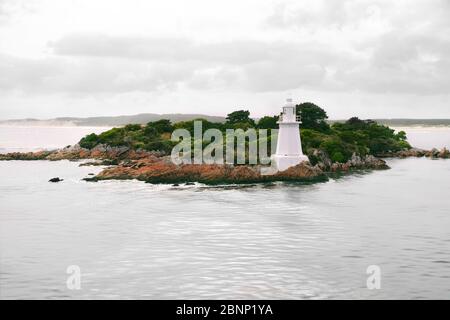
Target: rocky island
x: 142, y: 152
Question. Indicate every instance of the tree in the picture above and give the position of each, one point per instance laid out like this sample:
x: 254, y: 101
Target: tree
x: 241, y: 116
x: 268, y: 122
x: 132, y: 127
x: 355, y: 121
x: 89, y: 141
x: 312, y: 116
x: 189, y: 125
x: 161, y: 126
x: 401, y: 136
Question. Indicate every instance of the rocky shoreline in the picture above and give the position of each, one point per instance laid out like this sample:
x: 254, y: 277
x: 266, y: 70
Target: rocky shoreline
x: 419, y: 153
x: 153, y: 167
x: 162, y: 170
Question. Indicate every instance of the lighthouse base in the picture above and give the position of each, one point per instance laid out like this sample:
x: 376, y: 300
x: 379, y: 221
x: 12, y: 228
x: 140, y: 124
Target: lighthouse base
x: 283, y: 162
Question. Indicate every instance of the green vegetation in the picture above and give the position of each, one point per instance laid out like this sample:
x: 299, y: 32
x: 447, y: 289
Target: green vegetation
x: 239, y: 117
x: 268, y: 122
x: 339, y: 141
x: 313, y: 117
x: 153, y: 136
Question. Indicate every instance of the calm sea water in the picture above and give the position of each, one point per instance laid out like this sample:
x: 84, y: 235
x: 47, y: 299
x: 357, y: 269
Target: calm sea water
x: 427, y: 137
x: 136, y: 240
x: 23, y: 139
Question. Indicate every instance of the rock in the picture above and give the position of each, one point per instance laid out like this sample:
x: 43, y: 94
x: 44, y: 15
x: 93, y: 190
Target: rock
x: 356, y: 161
x: 39, y: 155
x: 302, y: 171
x: 161, y: 170
x: 347, y: 166
x: 359, y: 162
x: 415, y: 152
x: 335, y: 167
x: 175, y: 185
x: 57, y: 179
x: 90, y: 179
x: 434, y: 153
x: 444, y: 154
x: 189, y: 184
x: 91, y: 163
x: 100, y: 148
x: 110, y: 155
x: 371, y: 162
x: 323, y: 160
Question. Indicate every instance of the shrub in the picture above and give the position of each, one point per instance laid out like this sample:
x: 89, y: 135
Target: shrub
x: 312, y: 116
x: 161, y: 126
x: 268, y: 122
x: 338, y: 157
x: 89, y: 141
x: 337, y: 149
x: 132, y: 127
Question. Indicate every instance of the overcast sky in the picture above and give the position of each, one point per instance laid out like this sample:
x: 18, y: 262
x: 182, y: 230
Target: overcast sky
x: 370, y: 58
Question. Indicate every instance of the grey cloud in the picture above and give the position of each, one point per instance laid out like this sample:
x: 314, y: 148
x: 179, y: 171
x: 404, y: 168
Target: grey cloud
x: 390, y: 63
x: 180, y: 49
x: 332, y: 14
x: 344, y: 14
x: 124, y: 47
x: 4, y: 11
x: 9, y: 8
x: 283, y: 75
x: 216, y: 79
x: 407, y: 63
x: 411, y: 56
x: 147, y: 64
x: 61, y: 75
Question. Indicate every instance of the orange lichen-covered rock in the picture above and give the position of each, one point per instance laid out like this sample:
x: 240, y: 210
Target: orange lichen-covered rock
x: 303, y: 170
x: 164, y: 171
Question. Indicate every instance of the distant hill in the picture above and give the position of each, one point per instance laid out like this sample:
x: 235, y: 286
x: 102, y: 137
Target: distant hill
x: 110, y: 121
x: 176, y: 117
x: 415, y: 122
x: 409, y: 122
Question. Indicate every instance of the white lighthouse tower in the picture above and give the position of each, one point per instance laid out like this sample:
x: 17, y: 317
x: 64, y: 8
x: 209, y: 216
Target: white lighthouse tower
x: 289, y: 146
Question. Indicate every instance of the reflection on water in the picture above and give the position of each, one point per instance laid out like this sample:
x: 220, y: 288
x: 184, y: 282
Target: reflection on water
x: 136, y: 240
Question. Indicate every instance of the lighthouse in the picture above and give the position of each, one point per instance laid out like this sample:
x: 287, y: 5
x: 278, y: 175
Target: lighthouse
x: 289, y: 145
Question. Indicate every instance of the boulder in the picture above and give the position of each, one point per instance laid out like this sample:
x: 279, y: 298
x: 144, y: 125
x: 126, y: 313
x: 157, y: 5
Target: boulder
x: 444, y: 154
x: 301, y: 171
x: 323, y: 160
x: 356, y: 161
x: 435, y: 152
